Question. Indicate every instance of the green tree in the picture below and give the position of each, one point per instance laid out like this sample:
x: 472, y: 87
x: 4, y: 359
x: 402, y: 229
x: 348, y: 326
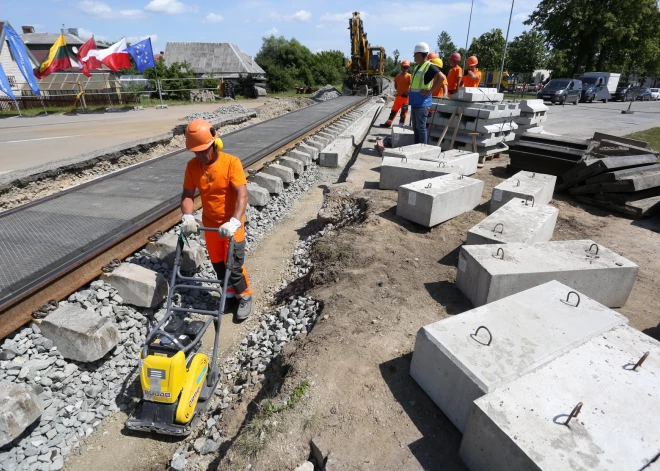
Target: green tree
x: 488, y: 48
x: 445, y: 46
x: 396, y: 55
x: 527, y: 52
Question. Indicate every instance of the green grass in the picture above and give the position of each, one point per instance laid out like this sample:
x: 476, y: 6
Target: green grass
x: 652, y: 136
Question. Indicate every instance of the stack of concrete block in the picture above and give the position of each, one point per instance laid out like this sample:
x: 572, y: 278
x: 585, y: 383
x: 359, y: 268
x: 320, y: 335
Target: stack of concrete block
x: 533, y: 113
x: 517, y: 221
x: 526, y: 185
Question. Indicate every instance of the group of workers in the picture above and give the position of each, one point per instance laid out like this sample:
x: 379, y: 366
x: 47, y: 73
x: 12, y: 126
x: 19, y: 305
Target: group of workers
x: 417, y: 85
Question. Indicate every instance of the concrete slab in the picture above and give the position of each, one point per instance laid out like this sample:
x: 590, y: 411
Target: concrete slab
x: 294, y: 164
x: 397, y: 172
x: 257, y: 196
x: 486, y: 273
x: 272, y: 183
x: 533, y: 106
x: 283, y: 173
x: 299, y: 155
x: 137, y: 285
x: 402, y: 136
x: 192, y: 257
x: 430, y: 202
x: 524, y: 185
x: 521, y: 426
x: 516, y: 221
x: 79, y: 334
x: 537, y: 118
x: 413, y: 151
x: 20, y: 407
x: 309, y: 150
x: 487, y: 111
x: 474, y: 94
x: 456, y: 365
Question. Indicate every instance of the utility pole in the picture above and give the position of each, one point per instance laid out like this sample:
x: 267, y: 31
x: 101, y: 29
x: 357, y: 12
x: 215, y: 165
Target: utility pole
x: 506, y: 43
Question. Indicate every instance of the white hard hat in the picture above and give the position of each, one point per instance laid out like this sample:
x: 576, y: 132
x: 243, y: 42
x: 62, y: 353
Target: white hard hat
x: 422, y: 47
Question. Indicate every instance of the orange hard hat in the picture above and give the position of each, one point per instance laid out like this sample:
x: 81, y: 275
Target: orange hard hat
x: 472, y: 60
x: 431, y: 56
x: 199, y: 135
x: 405, y: 64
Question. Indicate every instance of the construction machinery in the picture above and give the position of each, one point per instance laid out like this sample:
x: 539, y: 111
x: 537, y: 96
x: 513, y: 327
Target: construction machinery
x: 177, y: 379
x: 364, y: 72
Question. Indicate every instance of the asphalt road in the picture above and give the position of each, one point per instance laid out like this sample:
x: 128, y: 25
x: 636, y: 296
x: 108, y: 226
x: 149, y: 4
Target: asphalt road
x: 31, y: 141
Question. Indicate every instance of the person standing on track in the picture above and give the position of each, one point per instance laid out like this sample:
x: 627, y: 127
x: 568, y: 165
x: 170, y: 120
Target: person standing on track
x: 222, y: 186
x: 473, y: 76
x: 402, y: 85
x: 455, y: 73
x: 426, y: 79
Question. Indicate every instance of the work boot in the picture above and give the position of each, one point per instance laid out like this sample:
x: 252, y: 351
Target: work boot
x: 244, y: 308
x: 384, y: 125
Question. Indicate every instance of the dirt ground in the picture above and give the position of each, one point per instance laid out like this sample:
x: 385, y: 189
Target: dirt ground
x: 390, y: 277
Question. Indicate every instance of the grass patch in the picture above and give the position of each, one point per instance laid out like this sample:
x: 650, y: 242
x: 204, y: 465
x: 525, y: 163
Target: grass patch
x: 652, y: 136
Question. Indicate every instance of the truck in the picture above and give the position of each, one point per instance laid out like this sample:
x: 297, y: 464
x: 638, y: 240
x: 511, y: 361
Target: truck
x: 508, y: 83
x: 598, y: 86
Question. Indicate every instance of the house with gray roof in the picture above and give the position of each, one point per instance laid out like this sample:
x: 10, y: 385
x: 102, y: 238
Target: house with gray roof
x: 220, y: 60
x: 17, y: 82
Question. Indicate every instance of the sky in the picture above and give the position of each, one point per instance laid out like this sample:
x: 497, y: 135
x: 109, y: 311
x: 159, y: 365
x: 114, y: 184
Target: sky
x: 319, y: 25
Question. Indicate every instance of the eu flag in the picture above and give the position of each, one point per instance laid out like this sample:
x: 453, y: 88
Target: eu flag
x: 142, y: 54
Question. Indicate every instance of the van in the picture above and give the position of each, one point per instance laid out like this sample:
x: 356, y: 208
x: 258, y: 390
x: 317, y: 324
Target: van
x: 562, y: 90
x: 594, y: 87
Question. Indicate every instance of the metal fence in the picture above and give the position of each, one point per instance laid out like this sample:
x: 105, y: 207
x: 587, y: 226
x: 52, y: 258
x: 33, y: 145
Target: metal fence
x: 91, y: 99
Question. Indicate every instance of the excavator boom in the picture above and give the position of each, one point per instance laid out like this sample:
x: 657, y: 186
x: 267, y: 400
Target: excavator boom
x: 364, y: 72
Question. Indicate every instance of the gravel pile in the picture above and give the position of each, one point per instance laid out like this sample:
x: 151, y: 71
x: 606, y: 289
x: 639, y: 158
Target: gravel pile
x: 231, y: 109
x: 326, y: 93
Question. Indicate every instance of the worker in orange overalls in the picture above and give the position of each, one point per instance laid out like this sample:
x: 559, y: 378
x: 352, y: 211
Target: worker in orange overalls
x: 402, y: 85
x: 455, y: 73
x: 220, y: 179
x: 442, y: 91
x: 473, y: 76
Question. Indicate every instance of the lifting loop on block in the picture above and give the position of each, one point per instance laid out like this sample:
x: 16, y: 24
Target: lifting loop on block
x: 574, y: 413
x: 568, y: 297
x: 518, y: 184
x: 476, y: 332
x: 527, y: 199
x: 641, y: 360
x: 499, y: 224
x: 460, y: 177
x: 592, y: 246
x: 533, y: 174
x: 442, y: 164
x: 428, y: 185
x: 497, y: 254
x: 404, y: 159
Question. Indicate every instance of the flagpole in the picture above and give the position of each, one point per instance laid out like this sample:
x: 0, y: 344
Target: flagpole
x: 18, y: 108
x: 467, y: 37
x: 506, y: 43
x: 160, y: 94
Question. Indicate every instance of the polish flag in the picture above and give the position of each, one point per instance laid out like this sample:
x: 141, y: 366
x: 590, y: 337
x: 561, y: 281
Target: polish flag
x: 115, y: 57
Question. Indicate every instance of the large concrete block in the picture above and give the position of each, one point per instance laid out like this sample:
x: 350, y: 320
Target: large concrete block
x: 522, y: 426
x: 20, y: 406
x: 309, y: 150
x: 516, y: 221
x: 486, y: 273
x: 474, y: 94
x: 524, y: 185
x: 79, y: 334
x: 413, y: 151
x: 283, y: 173
x: 137, y: 285
x: 294, y: 164
x: 334, y: 154
x: 533, y: 106
x: 397, y: 172
x: 192, y: 257
x: 455, y: 361
x: 271, y: 183
x: 299, y: 155
x: 430, y: 202
x: 402, y: 136
x: 257, y: 196
x: 465, y: 161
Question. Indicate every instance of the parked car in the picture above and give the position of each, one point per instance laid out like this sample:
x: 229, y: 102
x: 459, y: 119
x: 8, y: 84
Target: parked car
x: 625, y: 92
x: 644, y: 95
x: 594, y: 87
x: 562, y: 90
x: 532, y: 87
x: 655, y: 93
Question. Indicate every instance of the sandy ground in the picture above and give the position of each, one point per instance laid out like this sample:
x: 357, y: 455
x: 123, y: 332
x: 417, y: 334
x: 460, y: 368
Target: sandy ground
x: 393, y: 278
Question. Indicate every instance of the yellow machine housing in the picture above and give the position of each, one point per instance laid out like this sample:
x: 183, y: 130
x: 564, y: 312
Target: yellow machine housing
x: 367, y: 63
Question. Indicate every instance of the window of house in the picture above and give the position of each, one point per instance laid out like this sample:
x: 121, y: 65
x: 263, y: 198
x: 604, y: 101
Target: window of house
x: 12, y: 81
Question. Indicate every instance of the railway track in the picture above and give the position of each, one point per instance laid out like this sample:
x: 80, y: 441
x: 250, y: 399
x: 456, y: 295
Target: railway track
x: 51, y: 247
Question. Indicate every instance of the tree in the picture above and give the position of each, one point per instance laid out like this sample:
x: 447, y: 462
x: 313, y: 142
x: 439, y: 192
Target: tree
x: 396, y: 55
x: 488, y: 48
x: 445, y: 46
x: 527, y: 52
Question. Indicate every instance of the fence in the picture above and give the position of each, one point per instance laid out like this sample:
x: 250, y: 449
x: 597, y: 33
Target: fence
x: 91, y: 99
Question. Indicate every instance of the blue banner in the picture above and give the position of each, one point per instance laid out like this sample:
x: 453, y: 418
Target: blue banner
x: 142, y: 54
x: 22, y: 58
x: 4, y: 84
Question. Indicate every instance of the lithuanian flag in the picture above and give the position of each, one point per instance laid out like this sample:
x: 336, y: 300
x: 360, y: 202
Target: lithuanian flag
x: 57, y: 59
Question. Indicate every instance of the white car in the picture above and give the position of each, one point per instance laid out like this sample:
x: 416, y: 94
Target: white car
x: 655, y: 93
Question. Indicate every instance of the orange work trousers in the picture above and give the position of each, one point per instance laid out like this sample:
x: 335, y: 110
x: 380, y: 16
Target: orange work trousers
x: 218, y: 248
x: 400, y: 103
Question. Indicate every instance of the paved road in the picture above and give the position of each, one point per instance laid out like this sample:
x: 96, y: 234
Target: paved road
x: 31, y: 141
x: 584, y: 119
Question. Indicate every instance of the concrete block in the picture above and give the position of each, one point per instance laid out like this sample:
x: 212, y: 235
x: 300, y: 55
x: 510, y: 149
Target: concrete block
x: 296, y: 165
x: 192, y: 257
x: 455, y: 365
x: 511, y: 110
x: 538, y: 118
x: 271, y: 183
x: 465, y: 161
x: 413, y: 151
x: 521, y: 426
x: 485, y: 111
x: 516, y: 221
x: 283, y: 173
x: 326, y: 135
x: 79, y: 334
x: 316, y: 143
x: 402, y: 136
x: 137, y: 285
x: 474, y: 94
x: 524, y: 185
x: 533, y: 106
x: 20, y: 407
x: 257, y: 196
x: 397, y: 172
x: 430, y: 202
x: 486, y: 273
x: 299, y: 155
x: 333, y: 155
x: 309, y: 150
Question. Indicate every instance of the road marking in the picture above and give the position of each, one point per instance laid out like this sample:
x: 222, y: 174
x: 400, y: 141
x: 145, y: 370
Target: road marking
x: 40, y: 139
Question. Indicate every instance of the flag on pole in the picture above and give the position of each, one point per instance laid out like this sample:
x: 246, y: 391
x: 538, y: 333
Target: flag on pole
x: 4, y: 84
x: 58, y: 59
x: 88, y: 63
x: 115, y: 57
x: 143, y: 55
x: 22, y: 58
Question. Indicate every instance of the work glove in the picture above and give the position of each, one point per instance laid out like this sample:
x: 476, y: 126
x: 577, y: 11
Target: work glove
x: 188, y: 225
x: 228, y: 229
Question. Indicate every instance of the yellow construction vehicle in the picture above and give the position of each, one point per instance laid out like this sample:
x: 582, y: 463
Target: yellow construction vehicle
x: 364, y: 72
